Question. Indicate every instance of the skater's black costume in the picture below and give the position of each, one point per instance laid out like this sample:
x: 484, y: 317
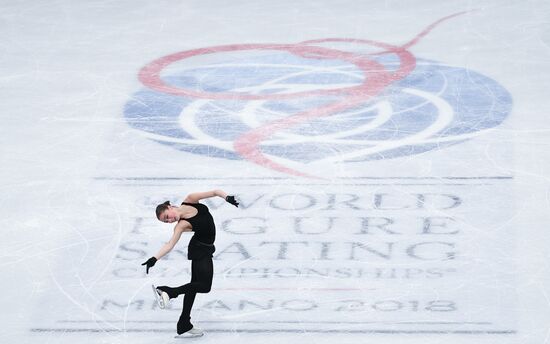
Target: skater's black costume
x: 201, y: 248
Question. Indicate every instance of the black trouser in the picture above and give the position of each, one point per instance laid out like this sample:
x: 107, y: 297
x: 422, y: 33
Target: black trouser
x: 202, y: 272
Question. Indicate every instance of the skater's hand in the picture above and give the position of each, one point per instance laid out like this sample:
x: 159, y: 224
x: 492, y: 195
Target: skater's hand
x: 231, y: 199
x: 150, y: 262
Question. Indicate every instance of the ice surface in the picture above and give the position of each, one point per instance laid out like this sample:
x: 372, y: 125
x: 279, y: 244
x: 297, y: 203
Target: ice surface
x: 393, y: 174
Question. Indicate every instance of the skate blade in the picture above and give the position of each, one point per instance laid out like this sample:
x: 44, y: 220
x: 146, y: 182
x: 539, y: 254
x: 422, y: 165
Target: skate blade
x: 158, y: 298
x: 189, y: 335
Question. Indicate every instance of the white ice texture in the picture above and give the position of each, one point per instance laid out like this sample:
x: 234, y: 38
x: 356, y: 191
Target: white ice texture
x: 393, y: 174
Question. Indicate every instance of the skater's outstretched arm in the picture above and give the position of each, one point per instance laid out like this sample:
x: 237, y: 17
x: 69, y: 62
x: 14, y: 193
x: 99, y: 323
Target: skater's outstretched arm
x: 181, y: 227
x: 178, y: 230
x: 197, y: 196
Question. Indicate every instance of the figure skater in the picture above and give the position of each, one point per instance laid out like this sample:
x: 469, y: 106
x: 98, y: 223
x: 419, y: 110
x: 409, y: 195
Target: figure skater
x: 190, y: 216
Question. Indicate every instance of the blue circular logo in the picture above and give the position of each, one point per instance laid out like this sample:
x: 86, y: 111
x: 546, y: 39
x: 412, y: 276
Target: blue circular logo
x: 282, y: 106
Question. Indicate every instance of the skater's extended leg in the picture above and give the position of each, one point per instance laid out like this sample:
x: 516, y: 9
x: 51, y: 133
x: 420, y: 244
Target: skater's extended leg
x: 202, y: 272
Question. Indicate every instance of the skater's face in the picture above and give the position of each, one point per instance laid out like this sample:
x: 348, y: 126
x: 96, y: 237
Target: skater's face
x: 169, y: 215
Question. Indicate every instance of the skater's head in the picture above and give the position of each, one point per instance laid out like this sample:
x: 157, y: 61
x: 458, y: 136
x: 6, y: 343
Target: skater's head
x: 167, y: 213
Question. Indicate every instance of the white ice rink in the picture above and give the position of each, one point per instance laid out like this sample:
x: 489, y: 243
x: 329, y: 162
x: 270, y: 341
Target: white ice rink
x: 391, y: 159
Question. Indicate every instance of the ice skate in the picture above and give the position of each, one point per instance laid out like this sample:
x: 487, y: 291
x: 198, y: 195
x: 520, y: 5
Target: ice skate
x: 192, y: 333
x: 161, y: 296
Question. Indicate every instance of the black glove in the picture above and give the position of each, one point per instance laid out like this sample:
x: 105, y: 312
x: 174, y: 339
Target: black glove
x: 150, y: 262
x: 231, y: 199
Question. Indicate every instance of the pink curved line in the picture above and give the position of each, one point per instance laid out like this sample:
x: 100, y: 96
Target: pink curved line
x: 248, y: 144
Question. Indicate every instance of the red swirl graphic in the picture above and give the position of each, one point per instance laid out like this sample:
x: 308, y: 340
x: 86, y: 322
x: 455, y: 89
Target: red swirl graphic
x: 376, y: 79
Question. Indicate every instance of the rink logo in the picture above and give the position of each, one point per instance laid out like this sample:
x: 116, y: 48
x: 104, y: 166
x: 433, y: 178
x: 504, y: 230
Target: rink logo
x: 295, y: 108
